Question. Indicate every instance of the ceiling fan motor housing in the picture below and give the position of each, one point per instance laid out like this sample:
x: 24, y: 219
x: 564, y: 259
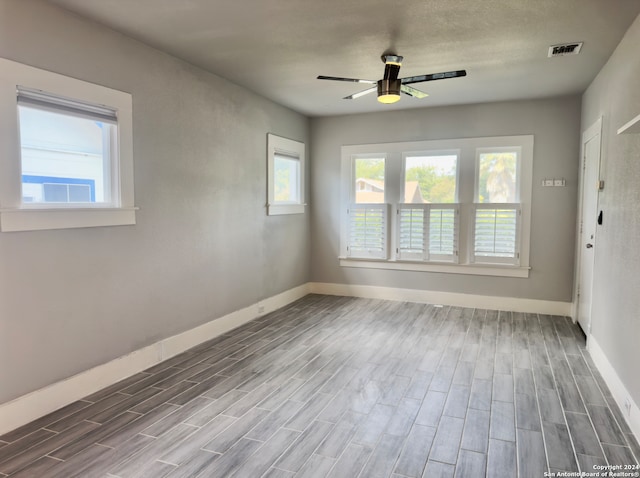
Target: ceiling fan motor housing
x: 389, y: 86
x: 389, y: 90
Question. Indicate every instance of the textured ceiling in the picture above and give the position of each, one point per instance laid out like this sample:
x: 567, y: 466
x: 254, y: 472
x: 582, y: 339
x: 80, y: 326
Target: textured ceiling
x: 277, y: 47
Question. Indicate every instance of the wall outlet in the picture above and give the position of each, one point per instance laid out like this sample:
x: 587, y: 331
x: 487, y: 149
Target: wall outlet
x: 627, y: 406
x: 547, y: 182
x: 558, y: 182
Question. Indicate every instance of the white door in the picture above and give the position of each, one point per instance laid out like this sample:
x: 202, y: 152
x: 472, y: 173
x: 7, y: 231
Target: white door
x: 589, y: 215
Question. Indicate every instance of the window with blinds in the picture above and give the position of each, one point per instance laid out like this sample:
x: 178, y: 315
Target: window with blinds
x: 497, y: 211
x: 443, y: 233
x: 496, y: 233
x: 459, y: 206
x: 285, y: 176
x: 427, y: 232
x: 68, y: 141
x: 73, y: 144
x: 368, y: 231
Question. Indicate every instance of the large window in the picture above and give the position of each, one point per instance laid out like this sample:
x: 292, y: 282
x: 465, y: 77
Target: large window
x: 453, y: 205
x: 67, y: 152
x: 285, y: 164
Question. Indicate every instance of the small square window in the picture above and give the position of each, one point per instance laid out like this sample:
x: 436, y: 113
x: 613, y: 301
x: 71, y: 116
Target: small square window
x: 285, y: 187
x: 69, y: 146
x: 67, y: 152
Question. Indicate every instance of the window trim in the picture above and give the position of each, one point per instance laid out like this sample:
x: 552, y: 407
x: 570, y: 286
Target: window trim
x: 465, y: 190
x: 295, y: 150
x: 18, y: 216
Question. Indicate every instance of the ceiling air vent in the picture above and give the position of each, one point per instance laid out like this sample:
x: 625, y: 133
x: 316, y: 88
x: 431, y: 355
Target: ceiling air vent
x: 565, y: 49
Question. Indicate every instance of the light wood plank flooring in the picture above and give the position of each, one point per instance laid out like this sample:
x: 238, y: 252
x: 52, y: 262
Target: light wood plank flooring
x: 344, y: 387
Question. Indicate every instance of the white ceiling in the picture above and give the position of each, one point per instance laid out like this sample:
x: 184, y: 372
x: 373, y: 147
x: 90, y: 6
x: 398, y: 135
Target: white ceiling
x: 277, y: 47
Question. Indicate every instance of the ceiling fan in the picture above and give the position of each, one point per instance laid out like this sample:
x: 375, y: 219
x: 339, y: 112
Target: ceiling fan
x: 390, y: 87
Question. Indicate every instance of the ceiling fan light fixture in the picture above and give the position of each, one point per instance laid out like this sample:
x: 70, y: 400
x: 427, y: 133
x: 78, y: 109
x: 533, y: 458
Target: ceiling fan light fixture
x: 389, y: 91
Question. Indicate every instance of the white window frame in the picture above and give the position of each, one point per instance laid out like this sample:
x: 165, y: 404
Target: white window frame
x: 277, y: 145
x: 18, y: 216
x: 465, y: 261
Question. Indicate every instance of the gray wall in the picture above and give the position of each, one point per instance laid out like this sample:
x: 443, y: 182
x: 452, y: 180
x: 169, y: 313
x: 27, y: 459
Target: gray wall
x: 554, y: 123
x: 615, y: 322
x: 203, y: 246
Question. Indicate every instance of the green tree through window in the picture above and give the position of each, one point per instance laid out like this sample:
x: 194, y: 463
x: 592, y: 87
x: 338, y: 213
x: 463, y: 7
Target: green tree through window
x: 497, y: 177
x: 436, y: 177
x: 370, y: 168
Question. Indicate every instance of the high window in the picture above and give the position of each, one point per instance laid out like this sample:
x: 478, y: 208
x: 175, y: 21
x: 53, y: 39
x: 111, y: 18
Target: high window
x: 460, y: 206
x: 67, y: 158
x: 285, y: 164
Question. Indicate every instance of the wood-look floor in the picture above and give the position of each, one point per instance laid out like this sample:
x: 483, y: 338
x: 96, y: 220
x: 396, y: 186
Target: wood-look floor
x: 345, y: 387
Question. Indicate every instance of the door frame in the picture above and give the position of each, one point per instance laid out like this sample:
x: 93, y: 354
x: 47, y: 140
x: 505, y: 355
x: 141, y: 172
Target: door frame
x: 587, y: 135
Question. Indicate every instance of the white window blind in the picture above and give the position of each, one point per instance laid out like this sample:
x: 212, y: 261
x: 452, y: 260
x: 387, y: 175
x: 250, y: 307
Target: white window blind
x: 33, y: 98
x: 496, y: 233
x: 443, y: 233
x: 367, y: 231
x: 427, y: 232
x: 412, y: 237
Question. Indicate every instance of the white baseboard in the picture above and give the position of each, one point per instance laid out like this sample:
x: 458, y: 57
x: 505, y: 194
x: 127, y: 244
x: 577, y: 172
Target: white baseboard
x: 446, y: 298
x: 617, y: 388
x: 36, y: 404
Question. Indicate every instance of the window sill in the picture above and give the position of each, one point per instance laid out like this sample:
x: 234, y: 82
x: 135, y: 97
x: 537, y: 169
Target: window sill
x: 281, y: 209
x: 469, y: 269
x: 14, y: 220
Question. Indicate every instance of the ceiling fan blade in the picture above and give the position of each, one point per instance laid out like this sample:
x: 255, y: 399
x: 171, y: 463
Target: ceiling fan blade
x: 408, y: 90
x: 433, y: 76
x: 360, y: 93
x: 353, y: 80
